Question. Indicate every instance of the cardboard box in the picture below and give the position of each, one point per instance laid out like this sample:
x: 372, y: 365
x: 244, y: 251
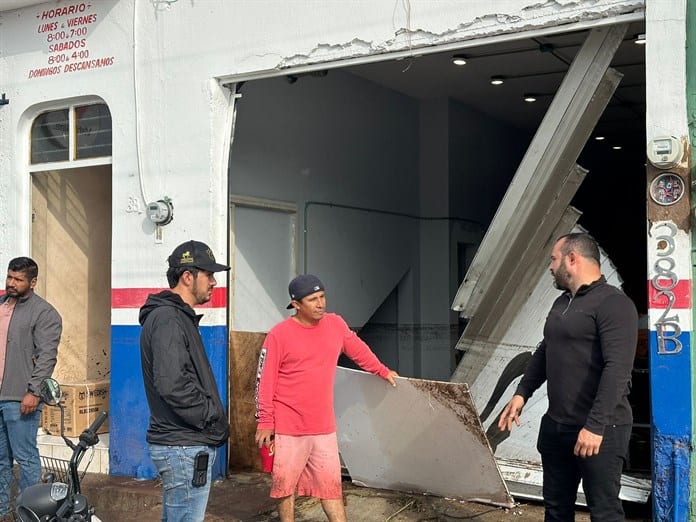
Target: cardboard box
x: 82, y: 403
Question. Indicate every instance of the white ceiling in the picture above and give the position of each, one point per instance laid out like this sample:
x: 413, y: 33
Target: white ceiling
x: 536, y: 65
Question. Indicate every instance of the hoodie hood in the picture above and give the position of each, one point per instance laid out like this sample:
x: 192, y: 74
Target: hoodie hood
x: 165, y: 298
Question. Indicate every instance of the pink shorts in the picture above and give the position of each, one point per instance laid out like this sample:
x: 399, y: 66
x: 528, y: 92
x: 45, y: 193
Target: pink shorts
x: 309, y: 463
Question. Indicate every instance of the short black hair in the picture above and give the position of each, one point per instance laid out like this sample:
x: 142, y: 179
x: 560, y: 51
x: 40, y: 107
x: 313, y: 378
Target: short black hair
x: 26, y: 265
x: 174, y: 274
x: 582, y: 243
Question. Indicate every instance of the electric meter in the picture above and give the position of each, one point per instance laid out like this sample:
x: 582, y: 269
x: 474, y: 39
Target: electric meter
x: 665, y: 152
x: 160, y: 212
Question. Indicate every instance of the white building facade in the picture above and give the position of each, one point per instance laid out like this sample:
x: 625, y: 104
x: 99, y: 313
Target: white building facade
x: 246, y: 122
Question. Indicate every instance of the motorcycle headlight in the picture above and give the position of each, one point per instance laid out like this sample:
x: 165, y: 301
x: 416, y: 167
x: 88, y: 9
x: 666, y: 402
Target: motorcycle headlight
x: 58, y: 491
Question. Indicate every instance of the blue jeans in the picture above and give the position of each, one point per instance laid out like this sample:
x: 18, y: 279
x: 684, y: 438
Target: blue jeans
x: 181, y: 502
x: 17, y: 442
x: 600, y: 474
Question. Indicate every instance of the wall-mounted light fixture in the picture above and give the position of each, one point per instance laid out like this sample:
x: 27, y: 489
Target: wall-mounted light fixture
x: 530, y: 98
x: 639, y: 39
x: 599, y: 138
x: 497, y: 80
x: 459, y: 59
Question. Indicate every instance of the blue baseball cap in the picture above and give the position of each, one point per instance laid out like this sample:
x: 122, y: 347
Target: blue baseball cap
x: 302, y: 286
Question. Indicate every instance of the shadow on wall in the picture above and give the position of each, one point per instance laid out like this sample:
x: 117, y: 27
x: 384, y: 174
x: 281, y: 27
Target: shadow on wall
x: 514, y: 369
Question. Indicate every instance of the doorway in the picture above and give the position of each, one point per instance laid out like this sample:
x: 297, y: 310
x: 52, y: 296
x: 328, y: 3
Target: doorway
x: 71, y: 242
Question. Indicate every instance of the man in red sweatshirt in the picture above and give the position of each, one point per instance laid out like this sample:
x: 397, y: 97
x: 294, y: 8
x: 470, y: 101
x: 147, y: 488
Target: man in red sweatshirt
x: 294, y: 398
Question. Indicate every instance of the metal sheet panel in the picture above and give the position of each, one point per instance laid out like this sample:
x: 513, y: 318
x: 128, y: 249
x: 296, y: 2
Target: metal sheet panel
x: 525, y: 481
x: 500, y: 319
x: 422, y: 436
x: 573, y: 113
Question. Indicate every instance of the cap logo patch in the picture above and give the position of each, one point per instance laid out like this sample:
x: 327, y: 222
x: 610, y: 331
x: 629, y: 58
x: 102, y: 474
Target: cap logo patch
x: 186, y: 258
x: 316, y: 288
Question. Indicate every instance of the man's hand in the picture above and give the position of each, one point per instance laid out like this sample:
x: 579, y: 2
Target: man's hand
x: 390, y: 377
x: 263, y: 437
x: 511, y: 413
x: 588, y: 444
x: 29, y: 403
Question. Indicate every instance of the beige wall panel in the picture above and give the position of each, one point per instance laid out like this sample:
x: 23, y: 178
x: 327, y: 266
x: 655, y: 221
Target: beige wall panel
x: 71, y: 242
x: 244, y: 356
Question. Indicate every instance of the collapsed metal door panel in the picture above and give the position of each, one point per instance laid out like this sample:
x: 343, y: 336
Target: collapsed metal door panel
x: 506, y: 292
x: 541, y: 177
x: 422, y: 436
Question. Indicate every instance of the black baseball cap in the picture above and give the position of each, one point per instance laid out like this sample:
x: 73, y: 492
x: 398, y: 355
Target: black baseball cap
x: 194, y: 254
x: 302, y: 286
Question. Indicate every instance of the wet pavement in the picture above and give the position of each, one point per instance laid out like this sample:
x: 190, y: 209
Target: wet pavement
x: 244, y: 497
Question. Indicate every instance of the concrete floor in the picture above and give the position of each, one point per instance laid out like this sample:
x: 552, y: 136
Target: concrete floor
x: 244, y: 497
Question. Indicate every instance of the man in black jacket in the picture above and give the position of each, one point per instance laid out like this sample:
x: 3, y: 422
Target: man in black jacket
x: 187, y: 418
x: 586, y: 358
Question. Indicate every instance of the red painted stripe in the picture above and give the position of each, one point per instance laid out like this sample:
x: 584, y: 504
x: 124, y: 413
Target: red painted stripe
x: 136, y: 297
x: 681, y: 292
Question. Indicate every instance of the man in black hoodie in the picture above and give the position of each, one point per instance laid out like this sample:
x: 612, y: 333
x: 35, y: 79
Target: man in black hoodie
x: 187, y: 418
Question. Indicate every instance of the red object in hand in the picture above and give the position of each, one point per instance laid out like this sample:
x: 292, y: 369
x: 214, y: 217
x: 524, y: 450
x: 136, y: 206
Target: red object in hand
x: 267, y: 457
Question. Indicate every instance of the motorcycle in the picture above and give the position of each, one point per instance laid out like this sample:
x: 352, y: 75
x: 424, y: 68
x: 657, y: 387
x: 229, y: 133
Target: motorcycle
x: 54, y: 500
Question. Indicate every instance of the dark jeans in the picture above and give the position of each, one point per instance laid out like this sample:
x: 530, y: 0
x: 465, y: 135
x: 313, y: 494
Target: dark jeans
x: 600, y: 474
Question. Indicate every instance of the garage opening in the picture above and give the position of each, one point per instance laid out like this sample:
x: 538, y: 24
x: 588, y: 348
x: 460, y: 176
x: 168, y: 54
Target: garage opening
x: 398, y: 167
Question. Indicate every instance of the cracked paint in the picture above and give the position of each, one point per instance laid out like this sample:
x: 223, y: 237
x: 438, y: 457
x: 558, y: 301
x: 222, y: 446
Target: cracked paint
x: 426, y: 29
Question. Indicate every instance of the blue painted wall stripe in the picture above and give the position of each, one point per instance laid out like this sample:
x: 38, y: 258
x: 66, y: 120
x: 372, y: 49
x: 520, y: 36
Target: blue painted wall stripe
x: 670, y: 389
x: 129, y: 412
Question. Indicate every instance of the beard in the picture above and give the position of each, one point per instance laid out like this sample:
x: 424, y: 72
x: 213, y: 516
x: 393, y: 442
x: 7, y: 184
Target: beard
x: 13, y: 292
x: 202, y: 295
x: 561, y: 278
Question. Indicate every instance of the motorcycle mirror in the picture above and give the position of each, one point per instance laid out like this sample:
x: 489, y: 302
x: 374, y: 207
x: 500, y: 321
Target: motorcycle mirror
x: 50, y: 392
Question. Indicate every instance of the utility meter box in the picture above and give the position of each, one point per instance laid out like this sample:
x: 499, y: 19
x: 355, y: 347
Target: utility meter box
x: 665, y: 152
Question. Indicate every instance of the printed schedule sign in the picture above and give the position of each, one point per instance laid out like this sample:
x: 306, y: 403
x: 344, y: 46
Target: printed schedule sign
x: 65, y: 32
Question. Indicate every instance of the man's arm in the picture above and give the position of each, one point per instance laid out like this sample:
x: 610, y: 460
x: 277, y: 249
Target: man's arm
x: 174, y: 377
x: 46, y: 336
x: 617, y: 326
x: 534, y: 376
x: 266, y: 380
x: 360, y: 353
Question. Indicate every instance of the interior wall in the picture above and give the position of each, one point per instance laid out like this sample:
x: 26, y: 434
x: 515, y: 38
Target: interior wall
x: 433, y: 332
x: 344, y: 151
x: 376, y: 176
x: 484, y: 155
x: 71, y: 243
